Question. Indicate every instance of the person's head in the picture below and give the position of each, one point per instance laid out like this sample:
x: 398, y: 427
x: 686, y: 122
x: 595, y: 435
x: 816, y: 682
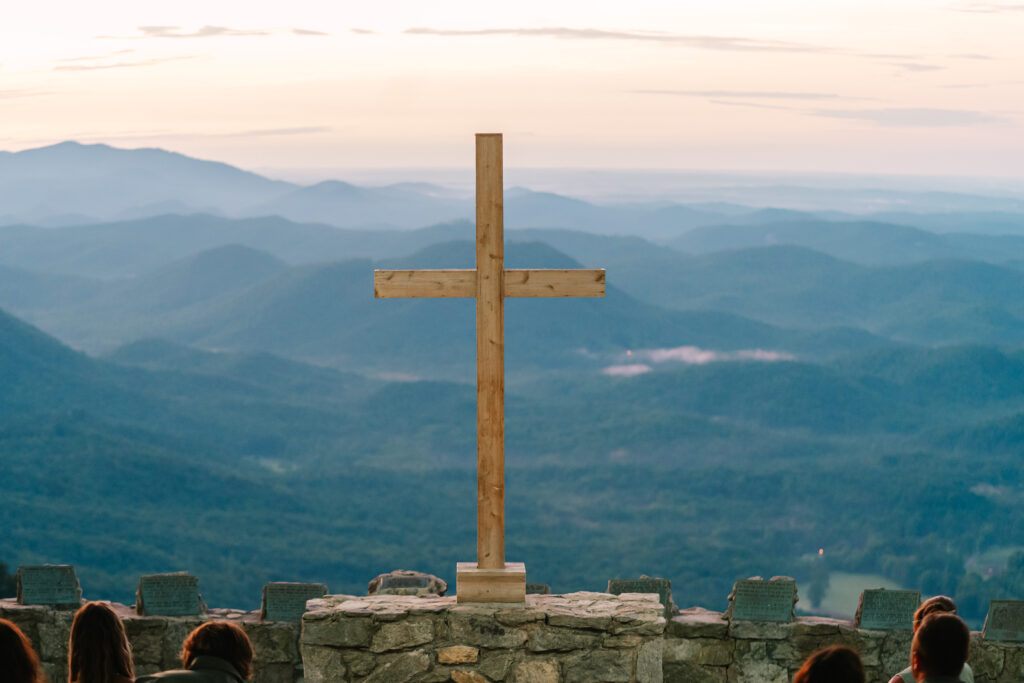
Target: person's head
x: 936, y: 605
x: 835, y: 664
x: 98, y: 651
x: 19, y: 659
x: 941, y: 645
x: 220, y: 639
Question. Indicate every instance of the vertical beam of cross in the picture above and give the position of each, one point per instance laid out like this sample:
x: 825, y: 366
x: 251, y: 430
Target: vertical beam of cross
x: 490, y: 283
x: 490, y: 354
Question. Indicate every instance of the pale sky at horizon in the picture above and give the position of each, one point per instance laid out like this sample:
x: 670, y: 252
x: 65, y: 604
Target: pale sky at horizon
x: 861, y: 86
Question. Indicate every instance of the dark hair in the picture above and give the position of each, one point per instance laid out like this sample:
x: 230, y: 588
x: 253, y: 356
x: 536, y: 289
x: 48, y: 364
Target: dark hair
x: 942, y: 644
x: 220, y: 639
x: 938, y: 604
x: 98, y: 651
x: 835, y: 664
x: 20, y: 660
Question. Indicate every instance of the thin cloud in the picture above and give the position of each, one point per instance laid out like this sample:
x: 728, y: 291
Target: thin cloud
x: 202, y: 32
x: 626, y: 370
x: 122, y: 65
x: 970, y: 55
x: 921, y: 117
x: 705, y: 42
x: 308, y: 32
x: 363, y: 32
x: 753, y: 105
x: 744, y: 94
x: 694, y: 355
x: 916, y: 67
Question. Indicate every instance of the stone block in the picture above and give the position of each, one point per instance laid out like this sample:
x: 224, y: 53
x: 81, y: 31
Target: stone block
x: 401, y: 635
x: 273, y: 641
x: 582, y: 619
x: 816, y: 626
x: 760, y: 630
x: 760, y: 670
x: 52, y: 645
x: 400, y: 668
x: 546, y: 639
x: 518, y: 617
x: 323, y: 664
x: 468, y: 677
x: 495, y: 664
x: 987, y: 660
x: 535, y: 671
x: 147, y: 639
x: 626, y: 640
x: 649, y: 662
x: 338, y: 631
x: 458, y: 654
x: 687, y: 672
x: 359, y: 662
x: 700, y: 651
x: 599, y: 666
x: 274, y: 672
x: 483, y: 631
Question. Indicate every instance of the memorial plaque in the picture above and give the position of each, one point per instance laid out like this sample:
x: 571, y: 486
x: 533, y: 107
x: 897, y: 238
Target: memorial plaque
x: 169, y: 595
x: 887, y: 610
x: 284, y: 601
x: 538, y: 589
x: 759, y: 600
x: 48, y: 584
x: 1005, y: 621
x: 645, y: 584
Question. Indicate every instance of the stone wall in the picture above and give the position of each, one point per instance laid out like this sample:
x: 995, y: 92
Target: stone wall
x: 577, y: 638
x: 156, y: 641
x: 701, y: 647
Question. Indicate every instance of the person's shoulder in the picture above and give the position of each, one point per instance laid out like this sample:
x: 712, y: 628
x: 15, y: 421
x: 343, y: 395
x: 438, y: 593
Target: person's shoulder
x: 176, y: 675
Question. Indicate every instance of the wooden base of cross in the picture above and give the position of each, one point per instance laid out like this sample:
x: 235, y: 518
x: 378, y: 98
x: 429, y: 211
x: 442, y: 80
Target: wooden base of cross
x: 490, y: 578
x: 473, y: 584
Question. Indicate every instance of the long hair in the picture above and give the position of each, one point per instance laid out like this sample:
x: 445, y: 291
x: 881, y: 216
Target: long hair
x: 17, y: 655
x: 220, y: 639
x: 835, y: 664
x: 98, y: 651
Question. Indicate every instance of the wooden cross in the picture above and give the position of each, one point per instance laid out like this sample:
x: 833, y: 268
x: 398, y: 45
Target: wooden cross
x: 490, y: 578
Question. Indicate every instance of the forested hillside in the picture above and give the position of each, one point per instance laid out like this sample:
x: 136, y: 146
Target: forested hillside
x: 225, y: 395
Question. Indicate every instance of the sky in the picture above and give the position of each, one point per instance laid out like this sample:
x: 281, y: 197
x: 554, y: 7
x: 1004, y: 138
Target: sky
x: 858, y: 86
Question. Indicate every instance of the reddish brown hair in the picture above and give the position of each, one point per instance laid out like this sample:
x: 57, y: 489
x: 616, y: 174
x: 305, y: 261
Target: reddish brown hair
x: 220, y: 639
x: 942, y: 644
x: 17, y: 655
x: 835, y: 664
x: 938, y: 604
x: 98, y: 651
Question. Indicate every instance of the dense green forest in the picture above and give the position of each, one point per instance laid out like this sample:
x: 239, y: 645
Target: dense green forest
x: 225, y: 396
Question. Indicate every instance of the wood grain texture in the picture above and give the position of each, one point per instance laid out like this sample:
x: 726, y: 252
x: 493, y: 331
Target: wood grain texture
x: 476, y: 584
x: 543, y: 282
x: 393, y: 284
x: 490, y: 354
x: 529, y: 282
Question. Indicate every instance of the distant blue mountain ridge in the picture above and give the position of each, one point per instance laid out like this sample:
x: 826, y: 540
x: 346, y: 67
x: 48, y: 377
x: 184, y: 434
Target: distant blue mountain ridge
x: 75, y: 184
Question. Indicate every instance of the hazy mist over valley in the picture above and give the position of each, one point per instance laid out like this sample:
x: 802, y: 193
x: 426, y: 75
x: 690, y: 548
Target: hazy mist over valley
x: 194, y: 374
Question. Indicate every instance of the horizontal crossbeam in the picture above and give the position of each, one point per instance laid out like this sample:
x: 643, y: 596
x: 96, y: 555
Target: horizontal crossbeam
x: 536, y: 282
